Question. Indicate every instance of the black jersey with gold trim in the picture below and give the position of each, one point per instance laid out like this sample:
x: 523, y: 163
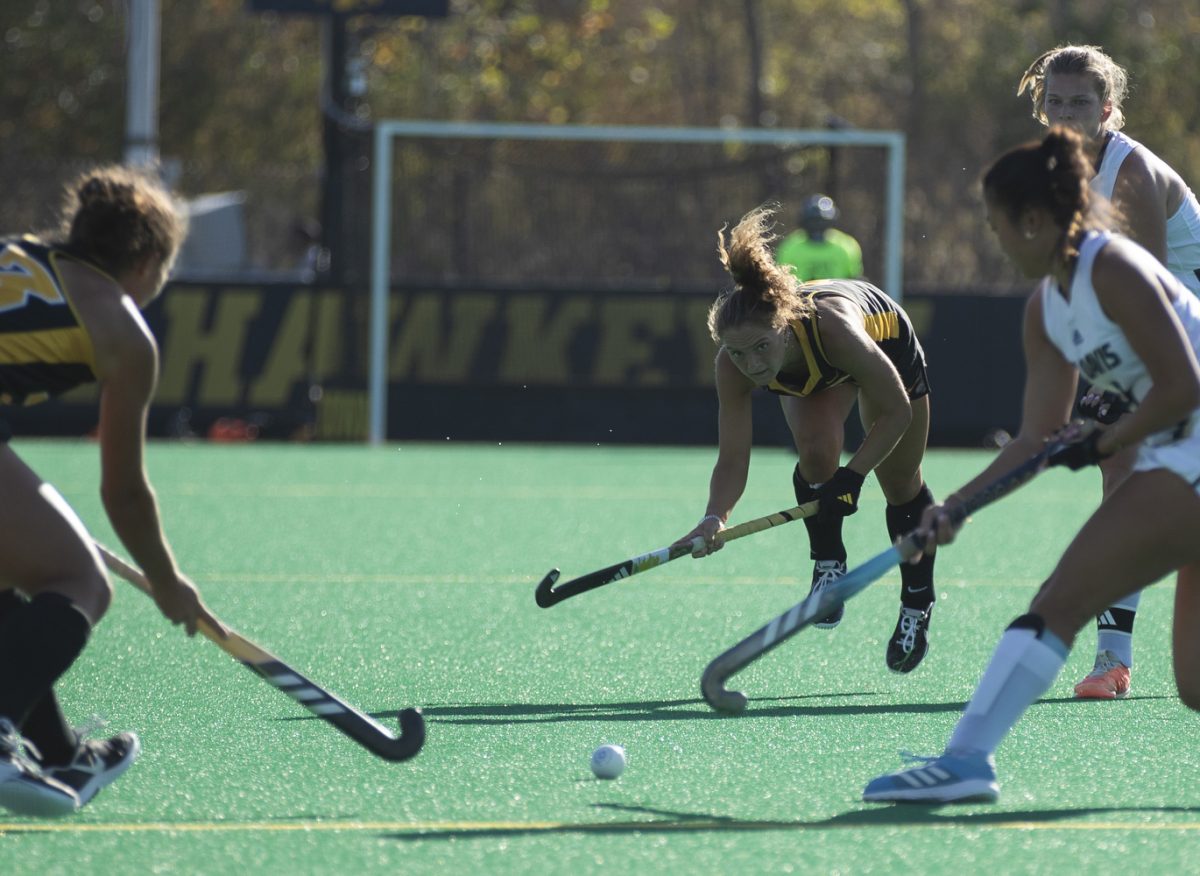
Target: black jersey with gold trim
x: 44, y: 349
x: 884, y: 321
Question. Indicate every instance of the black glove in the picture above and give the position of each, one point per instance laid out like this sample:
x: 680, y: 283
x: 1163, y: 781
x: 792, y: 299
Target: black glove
x: 1105, y: 408
x: 1079, y: 454
x: 839, y: 495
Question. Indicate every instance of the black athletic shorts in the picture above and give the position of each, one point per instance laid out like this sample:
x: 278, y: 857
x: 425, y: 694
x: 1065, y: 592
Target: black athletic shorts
x: 915, y: 378
x: 908, y: 357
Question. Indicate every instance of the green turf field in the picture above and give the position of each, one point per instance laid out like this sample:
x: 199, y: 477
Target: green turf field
x: 404, y: 576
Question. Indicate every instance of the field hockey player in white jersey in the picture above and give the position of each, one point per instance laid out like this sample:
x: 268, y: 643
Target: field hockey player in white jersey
x: 1082, y: 87
x: 1108, y: 309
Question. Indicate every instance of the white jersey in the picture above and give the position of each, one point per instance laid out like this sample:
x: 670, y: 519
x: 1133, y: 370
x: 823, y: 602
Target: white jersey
x: 1097, y: 346
x: 1183, y: 229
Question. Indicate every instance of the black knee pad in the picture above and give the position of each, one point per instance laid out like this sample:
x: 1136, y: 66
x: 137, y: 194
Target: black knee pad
x: 804, y: 490
x: 1033, y: 622
x: 903, y: 519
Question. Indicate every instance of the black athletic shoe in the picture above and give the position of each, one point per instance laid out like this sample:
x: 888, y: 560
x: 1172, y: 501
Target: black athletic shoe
x: 97, y: 763
x: 910, y: 640
x: 826, y: 573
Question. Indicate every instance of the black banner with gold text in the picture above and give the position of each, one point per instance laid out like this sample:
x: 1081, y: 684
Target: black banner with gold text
x: 600, y: 366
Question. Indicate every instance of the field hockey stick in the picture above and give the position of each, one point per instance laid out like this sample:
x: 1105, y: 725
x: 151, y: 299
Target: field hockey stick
x: 547, y: 594
x: 363, y: 729
x: 818, y: 605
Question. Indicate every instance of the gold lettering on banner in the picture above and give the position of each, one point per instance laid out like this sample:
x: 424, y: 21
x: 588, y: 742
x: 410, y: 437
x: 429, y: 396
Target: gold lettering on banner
x: 431, y: 348
x: 631, y: 329
x: 215, y: 352
x: 537, y: 349
x: 331, y: 313
x: 342, y: 415
x: 288, y: 361
x: 703, y: 347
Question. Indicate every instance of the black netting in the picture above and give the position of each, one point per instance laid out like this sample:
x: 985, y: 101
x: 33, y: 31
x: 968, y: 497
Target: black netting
x: 533, y: 212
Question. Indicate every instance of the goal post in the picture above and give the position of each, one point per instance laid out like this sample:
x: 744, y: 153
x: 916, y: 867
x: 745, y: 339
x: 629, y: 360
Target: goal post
x: 386, y: 133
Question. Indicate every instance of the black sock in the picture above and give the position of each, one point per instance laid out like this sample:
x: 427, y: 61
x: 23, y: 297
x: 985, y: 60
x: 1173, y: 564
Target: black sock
x: 50, y: 731
x: 46, y: 727
x: 916, y: 581
x: 38, y: 643
x: 824, y: 535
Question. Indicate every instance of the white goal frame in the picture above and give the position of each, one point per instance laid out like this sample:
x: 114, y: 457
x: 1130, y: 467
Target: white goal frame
x: 381, y: 209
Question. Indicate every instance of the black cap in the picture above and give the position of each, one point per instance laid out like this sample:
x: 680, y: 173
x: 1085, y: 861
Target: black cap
x: 819, y: 208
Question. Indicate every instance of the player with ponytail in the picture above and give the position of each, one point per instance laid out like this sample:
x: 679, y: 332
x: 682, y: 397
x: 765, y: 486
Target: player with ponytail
x: 821, y: 347
x: 1083, y: 88
x: 69, y: 315
x: 1106, y: 309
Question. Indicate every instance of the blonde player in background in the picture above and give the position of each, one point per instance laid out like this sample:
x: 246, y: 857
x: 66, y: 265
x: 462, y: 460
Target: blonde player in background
x: 1082, y: 87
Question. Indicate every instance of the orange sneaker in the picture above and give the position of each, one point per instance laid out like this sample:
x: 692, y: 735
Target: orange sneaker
x: 1109, y: 680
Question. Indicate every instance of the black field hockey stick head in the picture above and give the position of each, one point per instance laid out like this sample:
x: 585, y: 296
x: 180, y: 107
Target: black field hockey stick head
x: 547, y: 594
x: 362, y: 728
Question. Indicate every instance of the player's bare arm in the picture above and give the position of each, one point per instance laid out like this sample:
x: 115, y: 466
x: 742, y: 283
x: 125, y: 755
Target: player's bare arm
x: 735, y: 438
x: 126, y: 367
x: 1140, y: 195
x: 1133, y: 299
x: 850, y: 348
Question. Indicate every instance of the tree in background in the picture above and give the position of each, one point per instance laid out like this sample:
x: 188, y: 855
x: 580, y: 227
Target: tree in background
x: 240, y: 91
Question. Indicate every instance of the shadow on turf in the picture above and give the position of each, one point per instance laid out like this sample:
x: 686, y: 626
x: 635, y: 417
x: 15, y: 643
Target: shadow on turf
x: 647, y: 710
x: 668, y: 821
x: 488, y: 714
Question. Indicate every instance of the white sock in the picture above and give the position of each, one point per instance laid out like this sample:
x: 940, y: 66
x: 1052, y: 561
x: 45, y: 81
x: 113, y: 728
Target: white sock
x: 1022, y: 669
x: 1120, y: 642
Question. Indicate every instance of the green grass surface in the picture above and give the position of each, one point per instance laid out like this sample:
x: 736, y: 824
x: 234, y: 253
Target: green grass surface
x: 404, y: 576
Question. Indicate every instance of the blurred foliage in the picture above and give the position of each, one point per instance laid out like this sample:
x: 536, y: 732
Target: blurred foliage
x: 240, y: 93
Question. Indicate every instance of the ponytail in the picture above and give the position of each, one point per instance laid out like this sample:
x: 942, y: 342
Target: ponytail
x: 118, y: 217
x: 762, y: 290
x: 1052, y: 175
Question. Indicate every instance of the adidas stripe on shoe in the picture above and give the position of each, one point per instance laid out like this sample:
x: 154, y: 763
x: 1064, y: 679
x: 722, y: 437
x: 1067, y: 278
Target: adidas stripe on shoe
x: 950, y: 778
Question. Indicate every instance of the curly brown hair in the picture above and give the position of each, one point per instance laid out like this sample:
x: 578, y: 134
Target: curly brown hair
x: 116, y: 217
x: 762, y: 289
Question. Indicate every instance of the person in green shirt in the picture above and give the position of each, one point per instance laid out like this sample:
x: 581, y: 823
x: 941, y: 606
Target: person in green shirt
x: 817, y: 250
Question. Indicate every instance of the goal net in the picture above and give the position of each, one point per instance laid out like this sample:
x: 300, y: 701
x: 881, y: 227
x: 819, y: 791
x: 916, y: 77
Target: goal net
x: 586, y: 207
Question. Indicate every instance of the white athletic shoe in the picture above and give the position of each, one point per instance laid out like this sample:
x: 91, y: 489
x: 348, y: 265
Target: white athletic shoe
x: 24, y: 788
x: 97, y: 763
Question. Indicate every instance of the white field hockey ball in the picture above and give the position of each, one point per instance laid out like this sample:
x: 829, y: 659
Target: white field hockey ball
x: 608, y: 761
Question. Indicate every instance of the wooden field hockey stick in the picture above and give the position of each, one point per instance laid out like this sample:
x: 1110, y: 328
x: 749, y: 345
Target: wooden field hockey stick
x: 363, y: 729
x: 547, y: 594
x: 818, y: 605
